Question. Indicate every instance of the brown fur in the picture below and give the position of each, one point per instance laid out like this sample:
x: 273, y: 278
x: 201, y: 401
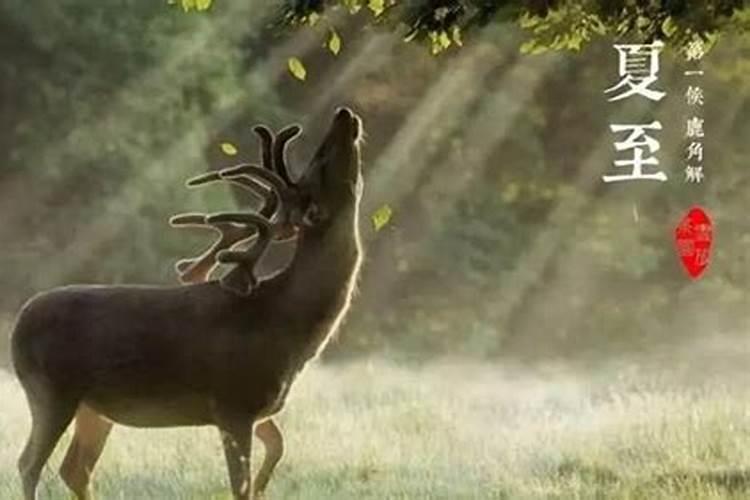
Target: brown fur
x: 153, y: 356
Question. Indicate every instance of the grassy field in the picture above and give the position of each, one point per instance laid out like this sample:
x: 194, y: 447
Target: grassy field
x: 449, y: 430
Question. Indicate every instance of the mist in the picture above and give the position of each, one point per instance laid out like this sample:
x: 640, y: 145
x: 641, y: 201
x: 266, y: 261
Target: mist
x: 512, y: 305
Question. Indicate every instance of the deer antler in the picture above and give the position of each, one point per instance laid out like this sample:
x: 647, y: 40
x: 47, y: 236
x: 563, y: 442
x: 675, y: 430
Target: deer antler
x: 266, y: 137
x: 243, y: 175
x: 279, y: 151
x: 272, y: 183
x: 199, y: 268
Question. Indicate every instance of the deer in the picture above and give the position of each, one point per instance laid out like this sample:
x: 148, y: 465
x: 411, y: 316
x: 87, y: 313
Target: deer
x: 209, y: 352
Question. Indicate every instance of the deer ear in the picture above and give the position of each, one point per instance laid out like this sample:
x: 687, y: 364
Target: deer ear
x: 238, y: 282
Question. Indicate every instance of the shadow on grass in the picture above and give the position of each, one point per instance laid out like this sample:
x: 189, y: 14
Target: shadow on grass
x: 733, y: 480
x: 379, y: 482
x: 588, y: 473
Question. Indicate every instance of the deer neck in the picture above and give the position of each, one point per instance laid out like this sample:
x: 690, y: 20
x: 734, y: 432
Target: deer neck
x: 323, y: 276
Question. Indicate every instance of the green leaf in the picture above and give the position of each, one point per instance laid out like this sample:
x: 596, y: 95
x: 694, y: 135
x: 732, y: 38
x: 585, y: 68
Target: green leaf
x: 668, y: 27
x: 313, y: 18
x: 188, y: 5
x: 533, y: 47
x: 376, y: 6
x: 352, y: 5
x: 228, y: 148
x: 296, y: 68
x: 334, y: 43
x: 381, y: 217
x: 456, y: 35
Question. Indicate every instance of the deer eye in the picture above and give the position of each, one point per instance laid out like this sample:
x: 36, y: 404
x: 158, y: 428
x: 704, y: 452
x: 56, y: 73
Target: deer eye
x: 314, y: 215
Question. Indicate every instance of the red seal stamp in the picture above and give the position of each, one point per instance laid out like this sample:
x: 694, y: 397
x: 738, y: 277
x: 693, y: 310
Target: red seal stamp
x: 693, y: 237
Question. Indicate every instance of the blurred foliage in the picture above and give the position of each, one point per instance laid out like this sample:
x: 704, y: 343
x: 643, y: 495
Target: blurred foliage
x: 189, y: 5
x: 551, y: 24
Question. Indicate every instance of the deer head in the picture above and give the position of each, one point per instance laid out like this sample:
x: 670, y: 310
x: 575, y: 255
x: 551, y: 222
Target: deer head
x: 332, y: 177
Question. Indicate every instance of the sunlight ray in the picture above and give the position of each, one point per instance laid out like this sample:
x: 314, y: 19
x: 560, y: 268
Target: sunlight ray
x: 396, y: 169
x: 498, y: 113
x: 450, y: 178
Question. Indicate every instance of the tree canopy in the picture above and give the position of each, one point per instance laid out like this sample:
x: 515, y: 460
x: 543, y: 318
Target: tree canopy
x: 551, y: 24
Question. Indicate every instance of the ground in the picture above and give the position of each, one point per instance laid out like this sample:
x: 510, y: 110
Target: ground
x: 448, y: 430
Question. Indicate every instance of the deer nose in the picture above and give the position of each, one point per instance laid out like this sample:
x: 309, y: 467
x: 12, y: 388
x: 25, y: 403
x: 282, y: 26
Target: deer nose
x: 344, y: 113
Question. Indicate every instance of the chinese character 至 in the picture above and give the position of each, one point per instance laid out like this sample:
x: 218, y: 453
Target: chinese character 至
x: 637, y: 141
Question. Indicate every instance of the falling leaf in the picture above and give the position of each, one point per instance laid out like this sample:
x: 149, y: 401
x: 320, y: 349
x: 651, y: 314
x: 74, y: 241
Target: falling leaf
x: 334, y: 43
x: 296, y: 68
x: 228, y: 148
x: 381, y: 217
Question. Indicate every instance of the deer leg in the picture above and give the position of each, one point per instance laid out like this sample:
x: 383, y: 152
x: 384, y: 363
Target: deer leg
x: 50, y: 417
x: 84, y: 450
x: 236, y: 436
x: 269, y: 433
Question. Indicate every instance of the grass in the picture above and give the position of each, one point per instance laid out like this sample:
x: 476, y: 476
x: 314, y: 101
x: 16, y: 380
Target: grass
x: 447, y: 430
